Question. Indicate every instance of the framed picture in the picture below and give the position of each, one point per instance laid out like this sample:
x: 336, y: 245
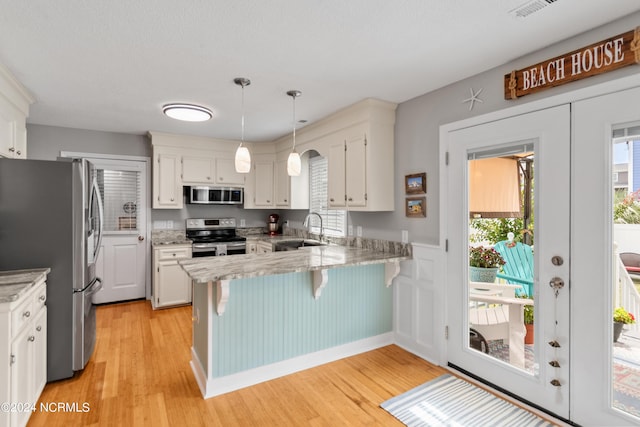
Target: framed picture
x: 416, y: 207
x: 416, y: 183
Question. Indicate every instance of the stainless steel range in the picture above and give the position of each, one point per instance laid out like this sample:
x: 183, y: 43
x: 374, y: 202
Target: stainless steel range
x: 214, y: 237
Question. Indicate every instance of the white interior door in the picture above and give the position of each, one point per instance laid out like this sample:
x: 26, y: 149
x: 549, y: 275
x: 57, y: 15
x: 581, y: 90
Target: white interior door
x: 592, y: 267
x: 547, y: 134
x: 122, y: 262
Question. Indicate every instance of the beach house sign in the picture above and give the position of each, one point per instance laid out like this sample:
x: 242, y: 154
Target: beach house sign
x: 602, y: 57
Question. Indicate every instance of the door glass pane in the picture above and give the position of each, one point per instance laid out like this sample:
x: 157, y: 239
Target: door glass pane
x: 501, y: 224
x: 120, y: 190
x: 626, y: 269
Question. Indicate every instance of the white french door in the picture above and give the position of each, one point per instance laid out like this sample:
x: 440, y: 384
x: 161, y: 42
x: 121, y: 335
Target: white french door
x: 592, y: 266
x: 544, y: 135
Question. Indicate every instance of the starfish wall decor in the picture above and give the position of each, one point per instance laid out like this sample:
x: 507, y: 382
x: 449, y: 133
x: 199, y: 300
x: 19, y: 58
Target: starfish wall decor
x: 474, y: 98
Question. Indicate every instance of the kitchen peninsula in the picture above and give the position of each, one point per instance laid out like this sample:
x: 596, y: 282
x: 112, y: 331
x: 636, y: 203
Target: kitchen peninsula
x: 262, y: 316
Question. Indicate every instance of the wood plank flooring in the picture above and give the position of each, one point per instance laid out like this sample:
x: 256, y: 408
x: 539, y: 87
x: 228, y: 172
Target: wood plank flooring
x: 139, y: 375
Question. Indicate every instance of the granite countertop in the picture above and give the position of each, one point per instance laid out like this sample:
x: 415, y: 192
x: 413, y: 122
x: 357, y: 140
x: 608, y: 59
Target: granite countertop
x: 203, y: 270
x: 171, y: 241
x: 14, y: 283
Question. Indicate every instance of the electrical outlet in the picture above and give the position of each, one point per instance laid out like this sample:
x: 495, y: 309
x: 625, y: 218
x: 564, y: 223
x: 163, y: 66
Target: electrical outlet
x: 159, y: 225
x: 170, y: 224
x: 405, y: 236
x: 359, y: 231
x: 350, y: 230
x: 243, y: 222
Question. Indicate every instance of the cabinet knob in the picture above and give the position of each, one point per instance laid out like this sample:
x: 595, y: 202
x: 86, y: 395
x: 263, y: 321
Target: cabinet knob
x: 332, y: 199
x: 42, y: 298
x: 31, y: 338
x: 26, y: 314
x: 285, y: 200
x: 268, y: 201
x: 172, y: 199
x: 221, y: 179
x: 208, y: 178
x: 140, y: 238
x: 12, y: 149
x: 174, y: 254
x: 18, y: 153
x: 351, y: 199
x: 38, y: 328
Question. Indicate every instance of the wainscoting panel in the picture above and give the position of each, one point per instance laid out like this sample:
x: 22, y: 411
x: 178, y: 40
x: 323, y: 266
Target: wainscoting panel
x: 269, y: 319
x: 419, y: 304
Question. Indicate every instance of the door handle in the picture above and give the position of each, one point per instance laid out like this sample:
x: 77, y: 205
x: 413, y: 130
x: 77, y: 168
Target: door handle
x: 141, y: 238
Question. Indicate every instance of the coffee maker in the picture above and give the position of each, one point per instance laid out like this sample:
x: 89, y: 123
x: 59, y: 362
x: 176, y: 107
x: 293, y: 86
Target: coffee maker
x: 273, y: 224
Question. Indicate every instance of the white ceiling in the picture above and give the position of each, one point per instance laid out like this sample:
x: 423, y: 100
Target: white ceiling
x: 110, y: 65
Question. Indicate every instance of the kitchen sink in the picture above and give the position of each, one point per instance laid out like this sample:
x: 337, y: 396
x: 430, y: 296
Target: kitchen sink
x: 292, y: 245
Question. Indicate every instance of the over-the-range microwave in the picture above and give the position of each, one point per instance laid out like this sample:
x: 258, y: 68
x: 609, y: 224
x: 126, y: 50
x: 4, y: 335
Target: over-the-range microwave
x: 216, y: 195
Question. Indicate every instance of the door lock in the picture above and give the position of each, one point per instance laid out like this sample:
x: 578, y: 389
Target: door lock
x: 556, y: 284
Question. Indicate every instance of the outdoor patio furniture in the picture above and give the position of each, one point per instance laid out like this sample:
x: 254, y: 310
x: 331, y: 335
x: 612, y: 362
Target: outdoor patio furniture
x: 519, y: 264
x: 501, y: 316
x: 631, y: 262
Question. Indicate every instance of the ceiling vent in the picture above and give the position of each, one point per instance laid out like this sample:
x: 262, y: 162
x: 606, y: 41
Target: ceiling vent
x: 530, y: 7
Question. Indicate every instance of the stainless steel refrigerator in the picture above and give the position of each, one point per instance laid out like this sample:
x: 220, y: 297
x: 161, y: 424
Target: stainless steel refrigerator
x: 51, y: 216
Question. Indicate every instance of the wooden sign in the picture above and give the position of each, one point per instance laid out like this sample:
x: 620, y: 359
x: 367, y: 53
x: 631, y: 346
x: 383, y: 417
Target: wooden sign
x: 598, y: 58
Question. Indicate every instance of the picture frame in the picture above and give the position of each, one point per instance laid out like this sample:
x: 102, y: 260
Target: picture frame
x: 416, y: 207
x: 415, y: 183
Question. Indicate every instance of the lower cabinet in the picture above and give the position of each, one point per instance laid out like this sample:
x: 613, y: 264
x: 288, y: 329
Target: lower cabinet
x: 171, y: 284
x: 24, y: 321
x: 264, y: 247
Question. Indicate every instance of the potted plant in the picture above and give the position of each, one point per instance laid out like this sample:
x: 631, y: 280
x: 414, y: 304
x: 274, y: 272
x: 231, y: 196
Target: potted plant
x: 528, y: 324
x: 621, y: 317
x: 484, y: 264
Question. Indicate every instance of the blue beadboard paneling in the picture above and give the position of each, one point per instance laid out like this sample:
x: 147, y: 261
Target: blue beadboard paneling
x: 273, y: 318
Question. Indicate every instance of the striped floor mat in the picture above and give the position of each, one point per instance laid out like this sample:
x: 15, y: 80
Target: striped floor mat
x: 450, y: 401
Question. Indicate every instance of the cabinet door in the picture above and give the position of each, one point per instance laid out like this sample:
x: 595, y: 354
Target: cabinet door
x: 22, y: 373
x: 356, y: 171
x: 167, y: 190
x: 20, y: 142
x: 283, y: 188
x: 174, y: 286
x: 198, y: 170
x: 336, y: 164
x: 40, y: 356
x: 7, y: 136
x: 226, y: 172
x: 264, y: 183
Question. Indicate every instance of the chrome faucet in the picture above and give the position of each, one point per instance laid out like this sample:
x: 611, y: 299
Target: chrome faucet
x: 307, y: 223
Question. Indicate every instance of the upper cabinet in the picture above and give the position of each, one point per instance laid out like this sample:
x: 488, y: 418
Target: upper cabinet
x: 167, y: 187
x: 14, y: 110
x: 180, y: 160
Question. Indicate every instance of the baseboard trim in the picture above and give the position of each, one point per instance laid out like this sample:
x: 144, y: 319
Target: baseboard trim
x: 211, y: 387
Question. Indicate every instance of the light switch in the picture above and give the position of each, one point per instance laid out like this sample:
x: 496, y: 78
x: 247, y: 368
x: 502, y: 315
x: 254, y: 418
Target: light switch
x: 359, y: 231
x: 350, y: 232
x: 405, y: 236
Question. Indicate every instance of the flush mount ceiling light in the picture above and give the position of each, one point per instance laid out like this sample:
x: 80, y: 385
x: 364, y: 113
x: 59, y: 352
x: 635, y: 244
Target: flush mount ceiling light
x: 294, y: 165
x: 187, y: 112
x: 243, y: 157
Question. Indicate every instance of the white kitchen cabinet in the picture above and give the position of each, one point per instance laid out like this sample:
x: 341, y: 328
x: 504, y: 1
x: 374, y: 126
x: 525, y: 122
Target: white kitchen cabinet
x: 264, y: 247
x: 198, y: 168
x: 171, y: 284
x: 209, y: 168
x: 226, y: 172
x: 263, y: 196
x: 23, y: 325
x: 283, y: 186
x: 252, y: 246
x: 167, y: 186
x: 361, y: 168
x: 14, y: 109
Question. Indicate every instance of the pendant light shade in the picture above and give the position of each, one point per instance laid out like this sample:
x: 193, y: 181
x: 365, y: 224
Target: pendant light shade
x: 294, y: 164
x: 243, y: 157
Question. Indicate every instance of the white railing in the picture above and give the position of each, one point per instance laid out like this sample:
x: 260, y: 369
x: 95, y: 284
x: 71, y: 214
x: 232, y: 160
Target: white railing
x: 626, y: 295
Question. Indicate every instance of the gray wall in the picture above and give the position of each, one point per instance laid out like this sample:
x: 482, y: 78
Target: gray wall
x: 46, y: 142
x: 418, y: 122
x: 416, y: 138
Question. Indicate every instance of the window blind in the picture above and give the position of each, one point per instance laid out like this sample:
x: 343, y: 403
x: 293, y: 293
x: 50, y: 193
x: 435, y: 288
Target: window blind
x: 120, y: 191
x: 333, y: 221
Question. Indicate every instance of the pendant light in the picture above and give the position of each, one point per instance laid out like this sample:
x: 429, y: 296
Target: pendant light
x: 294, y: 164
x: 243, y: 157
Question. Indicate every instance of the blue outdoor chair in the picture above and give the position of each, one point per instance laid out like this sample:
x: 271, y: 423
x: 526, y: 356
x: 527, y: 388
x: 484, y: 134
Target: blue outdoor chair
x: 519, y: 264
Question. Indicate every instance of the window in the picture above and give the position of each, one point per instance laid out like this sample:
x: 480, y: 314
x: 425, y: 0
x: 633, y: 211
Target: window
x: 120, y: 190
x: 333, y: 221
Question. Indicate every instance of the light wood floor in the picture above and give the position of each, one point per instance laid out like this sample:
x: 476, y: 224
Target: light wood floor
x: 139, y: 375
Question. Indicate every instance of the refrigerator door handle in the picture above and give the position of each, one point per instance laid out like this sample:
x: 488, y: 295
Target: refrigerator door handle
x: 95, y: 193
